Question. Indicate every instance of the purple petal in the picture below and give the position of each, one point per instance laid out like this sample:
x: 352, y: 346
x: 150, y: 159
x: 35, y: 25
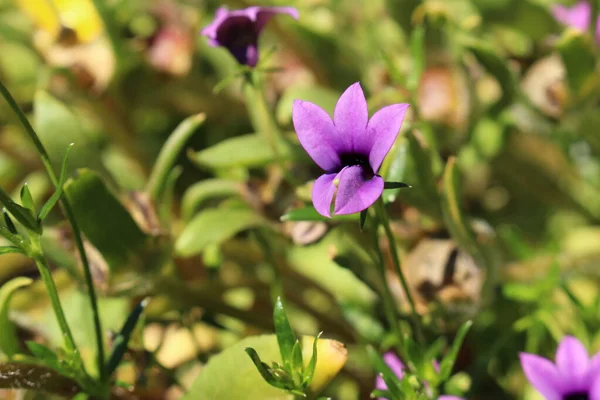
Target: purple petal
x: 358, y: 189
x: 593, y: 369
x: 350, y: 117
x: 543, y: 375
x: 577, y: 17
x: 322, y: 194
x: 572, y: 362
x: 315, y: 131
x: 211, y: 29
x: 264, y: 14
x: 594, y: 393
x: 382, y: 130
x: 395, y: 364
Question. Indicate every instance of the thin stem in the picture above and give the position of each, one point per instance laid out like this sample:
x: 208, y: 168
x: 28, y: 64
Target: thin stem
x: 71, y: 217
x: 277, y: 285
x: 385, y: 222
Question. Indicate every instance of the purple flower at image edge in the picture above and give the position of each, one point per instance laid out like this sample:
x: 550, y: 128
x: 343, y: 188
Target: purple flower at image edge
x: 350, y: 149
x: 577, y: 17
x: 397, y: 367
x: 238, y: 30
x: 574, y: 375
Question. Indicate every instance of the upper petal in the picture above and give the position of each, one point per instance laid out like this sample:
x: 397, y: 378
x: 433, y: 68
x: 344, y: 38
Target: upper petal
x: 322, y: 194
x: 211, y: 29
x: 577, y: 17
x: 572, y: 362
x: 264, y: 14
x: 395, y: 364
x: 357, y: 190
x: 382, y: 131
x: 543, y: 375
x: 315, y: 131
x: 350, y: 117
x: 593, y: 371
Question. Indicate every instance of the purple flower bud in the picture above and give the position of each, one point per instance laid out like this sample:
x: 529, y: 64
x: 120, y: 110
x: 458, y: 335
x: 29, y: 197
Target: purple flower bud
x: 577, y: 17
x: 238, y: 30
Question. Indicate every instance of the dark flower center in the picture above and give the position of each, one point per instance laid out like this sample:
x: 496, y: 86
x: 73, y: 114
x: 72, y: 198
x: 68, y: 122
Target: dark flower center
x: 352, y: 159
x: 237, y: 34
x: 576, y: 396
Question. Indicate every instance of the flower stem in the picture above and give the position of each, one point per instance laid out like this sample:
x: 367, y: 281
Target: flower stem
x: 385, y: 222
x: 71, y: 217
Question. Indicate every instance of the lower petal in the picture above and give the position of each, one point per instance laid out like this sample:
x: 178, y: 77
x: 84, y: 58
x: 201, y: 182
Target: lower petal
x: 594, y: 393
x: 358, y: 189
x: 322, y: 194
x: 543, y: 375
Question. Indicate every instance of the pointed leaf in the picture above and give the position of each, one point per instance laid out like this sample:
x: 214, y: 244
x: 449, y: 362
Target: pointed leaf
x: 395, y: 185
x: 286, y: 338
x: 263, y: 368
x: 27, y: 198
x: 389, y: 377
x: 46, y: 208
x: 309, y: 372
x: 296, y: 363
x: 310, y: 214
x: 10, y: 249
x: 205, y: 190
x: 9, y: 343
x: 9, y: 224
x: 417, y: 52
x: 21, y: 214
x: 170, y: 152
x: 122, y: 339
x: 44, y: 354
x: 363, y: 218
x: 448, y: 362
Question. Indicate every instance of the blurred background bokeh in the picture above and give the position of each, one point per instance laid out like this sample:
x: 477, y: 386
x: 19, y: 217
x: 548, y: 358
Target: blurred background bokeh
x: 501, y: 148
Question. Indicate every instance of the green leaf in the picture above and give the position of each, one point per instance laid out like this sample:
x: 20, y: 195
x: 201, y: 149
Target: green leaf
x: 488, y: 57
x: 8, y: 221
x: 285, y: 334
x: 10, y: 249
x: 324, y: 97
x: 21, y: 214
x: 363, y: 218
x: 36, y: 377
x: 395, y: 185
x: 27, y: 198
x: 417, y: 52
x: 9, y: 342
x: 122, y: 339
x: 214, y: 226
x: 46, y: 208
x: 263, y: 369
x: 165, y: 204
x: 389, y: 377
x: 170, y: 152
x: 309, y: 371
x: 448, y: 362
x: 42, y: 352
x: 245, y: 151
x: 579, y: 57
x: 105, y: 222
x: 309, y: 213
x: 202, y: 191
x: 297, y: 366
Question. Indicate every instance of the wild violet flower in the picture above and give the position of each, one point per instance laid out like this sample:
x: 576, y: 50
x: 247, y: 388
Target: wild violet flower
x: 577, y: 17
x: 350, y: 149
x: 238, y: 30
x: 573, y: 376
x: 397, y: 368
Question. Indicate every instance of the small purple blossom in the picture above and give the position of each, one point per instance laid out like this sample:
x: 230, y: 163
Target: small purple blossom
x: 573, y: 376
x: 397, y: 367
x: 577, y: 17
x: 350, y: 149
x: 238, y: 30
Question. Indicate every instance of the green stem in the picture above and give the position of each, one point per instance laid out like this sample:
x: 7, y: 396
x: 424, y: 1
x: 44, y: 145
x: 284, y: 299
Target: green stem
x: 277, y: 285
x: 385, y: 222
x: 46, y: 275
x: 71, y: 217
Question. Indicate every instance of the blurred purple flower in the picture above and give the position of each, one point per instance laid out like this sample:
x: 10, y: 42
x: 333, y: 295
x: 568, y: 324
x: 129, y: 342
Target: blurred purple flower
x: 238, y: 30
x: 574, y: 375
x: 350, y: 148
x: 397, y: 368
x: 577, y: 17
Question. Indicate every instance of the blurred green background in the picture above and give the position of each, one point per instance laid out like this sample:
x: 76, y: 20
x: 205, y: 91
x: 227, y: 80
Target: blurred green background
x: 501, y: 149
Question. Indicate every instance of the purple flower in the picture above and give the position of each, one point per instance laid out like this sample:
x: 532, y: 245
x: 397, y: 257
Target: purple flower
x: 397, y: 368
x: 350, y: 148
x: 238, y: 30
x: 577, y: 17
x: 574, y: 376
